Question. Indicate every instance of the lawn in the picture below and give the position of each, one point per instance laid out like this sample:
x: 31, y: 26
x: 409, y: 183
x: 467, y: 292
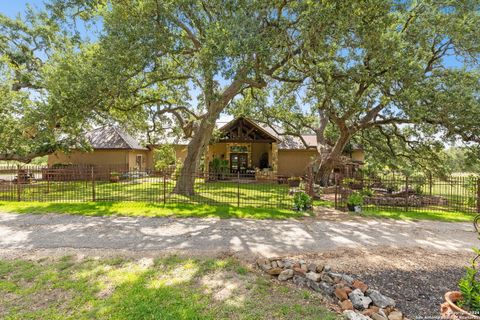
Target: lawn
x: 167, y: 288
x: 401, y: 214
x: 154, y: 190
x: 149, y: 210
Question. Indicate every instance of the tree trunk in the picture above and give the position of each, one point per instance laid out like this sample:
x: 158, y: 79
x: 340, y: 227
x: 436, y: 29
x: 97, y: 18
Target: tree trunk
x: 328, y: 161
x: 186, y: 180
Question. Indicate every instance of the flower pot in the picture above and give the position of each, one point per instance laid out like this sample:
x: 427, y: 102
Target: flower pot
x: 293, y: 183
x: 450, y: 310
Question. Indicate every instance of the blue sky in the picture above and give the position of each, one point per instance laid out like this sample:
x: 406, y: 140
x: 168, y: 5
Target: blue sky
x: 13, y: 7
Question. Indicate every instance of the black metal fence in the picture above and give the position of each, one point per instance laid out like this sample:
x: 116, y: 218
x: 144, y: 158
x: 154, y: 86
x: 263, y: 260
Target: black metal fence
x: 85, y: 184
x: 454, y: 194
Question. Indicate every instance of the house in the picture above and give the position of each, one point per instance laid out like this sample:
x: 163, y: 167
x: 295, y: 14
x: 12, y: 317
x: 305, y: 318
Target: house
x: 111, y: 147
x: 244, y: 145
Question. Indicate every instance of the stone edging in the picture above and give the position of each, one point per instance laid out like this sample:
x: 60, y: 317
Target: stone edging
x: 353, y: 296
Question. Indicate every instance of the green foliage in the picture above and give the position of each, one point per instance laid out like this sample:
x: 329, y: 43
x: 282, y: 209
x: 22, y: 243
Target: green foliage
x: 471, y: 185
x: 302, y: 201
x: 367, y: 192
x: 355, y: 199
x: 219, y: 166
x: 470, y: 287
x: 163, y: 157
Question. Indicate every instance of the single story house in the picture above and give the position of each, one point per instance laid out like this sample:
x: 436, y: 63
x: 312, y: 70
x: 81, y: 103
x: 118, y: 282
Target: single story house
x: 111, y: 148
x: 244, y: 145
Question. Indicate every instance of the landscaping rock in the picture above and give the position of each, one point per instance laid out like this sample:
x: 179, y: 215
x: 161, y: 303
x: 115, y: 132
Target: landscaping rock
x: 280, y: 264
x: 357, y: 284
x: 313, y: 276
x: 320, y: 268
x: 274, y: 271
x: 341, y: 294
x: 288, y: 264
x: 285, y: 275
x: 378, y: 316
x: 326, y: 288
x: 359, y: 300
x: 395, y: 315
x: 346, y: 305
x: 326, y: 278
x: 348, y: 279
x: 304, y: 267
x: 312, y: 267
x: 370, y: 311
x: 352, y: 315
x: 264, y: 264
x: 379, y: 299
x: 298, y: 271
x: 327, y: 268
x: 299, y: 281
x: 274, y: 264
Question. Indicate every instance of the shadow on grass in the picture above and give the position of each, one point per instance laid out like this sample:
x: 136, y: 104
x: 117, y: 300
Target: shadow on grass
x: 168, y: 288
x: 149, y: 210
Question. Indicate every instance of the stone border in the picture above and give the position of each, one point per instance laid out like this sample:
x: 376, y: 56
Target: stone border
x: 355, y: 299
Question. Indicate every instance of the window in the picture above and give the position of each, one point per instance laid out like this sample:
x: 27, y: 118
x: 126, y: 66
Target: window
x: 238, y: 149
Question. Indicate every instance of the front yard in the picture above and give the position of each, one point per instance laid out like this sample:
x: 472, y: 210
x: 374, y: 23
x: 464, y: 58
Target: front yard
x: 153, y: 190
x: 167, y: 288
x: 144, y: 209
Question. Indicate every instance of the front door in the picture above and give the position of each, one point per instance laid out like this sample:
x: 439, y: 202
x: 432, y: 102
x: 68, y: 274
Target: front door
x: 238, y: 162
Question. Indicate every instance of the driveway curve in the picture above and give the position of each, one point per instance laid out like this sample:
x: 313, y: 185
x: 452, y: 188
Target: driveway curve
x: 25, y: 232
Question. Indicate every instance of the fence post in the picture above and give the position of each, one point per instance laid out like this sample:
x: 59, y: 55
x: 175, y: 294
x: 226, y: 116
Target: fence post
x: 238, y: 189
x: 164, y: 188
x: 431, y: 182
x: 336, y: 190
x: 19, y: 198
x: 478, y: 195
x: 406, y: 193
x: 94, y: 197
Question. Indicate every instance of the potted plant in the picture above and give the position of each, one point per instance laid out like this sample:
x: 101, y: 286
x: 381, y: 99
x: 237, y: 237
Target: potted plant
x: 466, y: 302
x: 114, y: 176
x: 294, y: 182
x: 355, y: 202
x: 302, y: 201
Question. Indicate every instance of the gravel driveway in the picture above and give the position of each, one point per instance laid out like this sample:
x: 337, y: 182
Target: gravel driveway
x: 212, y: 236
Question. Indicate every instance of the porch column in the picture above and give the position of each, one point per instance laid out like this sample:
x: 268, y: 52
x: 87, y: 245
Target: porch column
x: 274, y: 157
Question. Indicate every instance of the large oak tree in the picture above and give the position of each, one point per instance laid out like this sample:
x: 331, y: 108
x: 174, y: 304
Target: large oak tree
x: 186, y: 60
x: 383, y: 66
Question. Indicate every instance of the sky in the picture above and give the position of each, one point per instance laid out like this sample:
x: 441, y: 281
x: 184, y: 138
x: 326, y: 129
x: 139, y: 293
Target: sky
x: 13, y: 7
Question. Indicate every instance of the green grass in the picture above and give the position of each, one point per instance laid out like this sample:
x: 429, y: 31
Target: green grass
x: 167, y: 288
x: 153, y: 189
x: 401, y: 214
x: 149, y: 210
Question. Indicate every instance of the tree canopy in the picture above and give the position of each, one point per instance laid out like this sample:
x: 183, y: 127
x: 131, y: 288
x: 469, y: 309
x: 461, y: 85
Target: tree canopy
x: 377, y: 72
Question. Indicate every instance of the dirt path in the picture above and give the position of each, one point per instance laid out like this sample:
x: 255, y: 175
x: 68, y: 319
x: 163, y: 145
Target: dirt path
x: 19, y: 233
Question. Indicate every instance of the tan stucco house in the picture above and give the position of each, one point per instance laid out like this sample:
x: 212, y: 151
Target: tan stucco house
x: 112, y: 148
x: 245, y: 145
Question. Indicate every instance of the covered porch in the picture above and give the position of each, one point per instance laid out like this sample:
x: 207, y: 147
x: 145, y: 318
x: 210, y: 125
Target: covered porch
x: 243, y: 149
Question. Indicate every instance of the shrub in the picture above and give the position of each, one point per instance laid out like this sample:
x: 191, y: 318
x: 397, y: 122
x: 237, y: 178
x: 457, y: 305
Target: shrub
x: 302, y: 201
x: 470, y: 288
x: 355, y: 199
x: 367, y: 192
